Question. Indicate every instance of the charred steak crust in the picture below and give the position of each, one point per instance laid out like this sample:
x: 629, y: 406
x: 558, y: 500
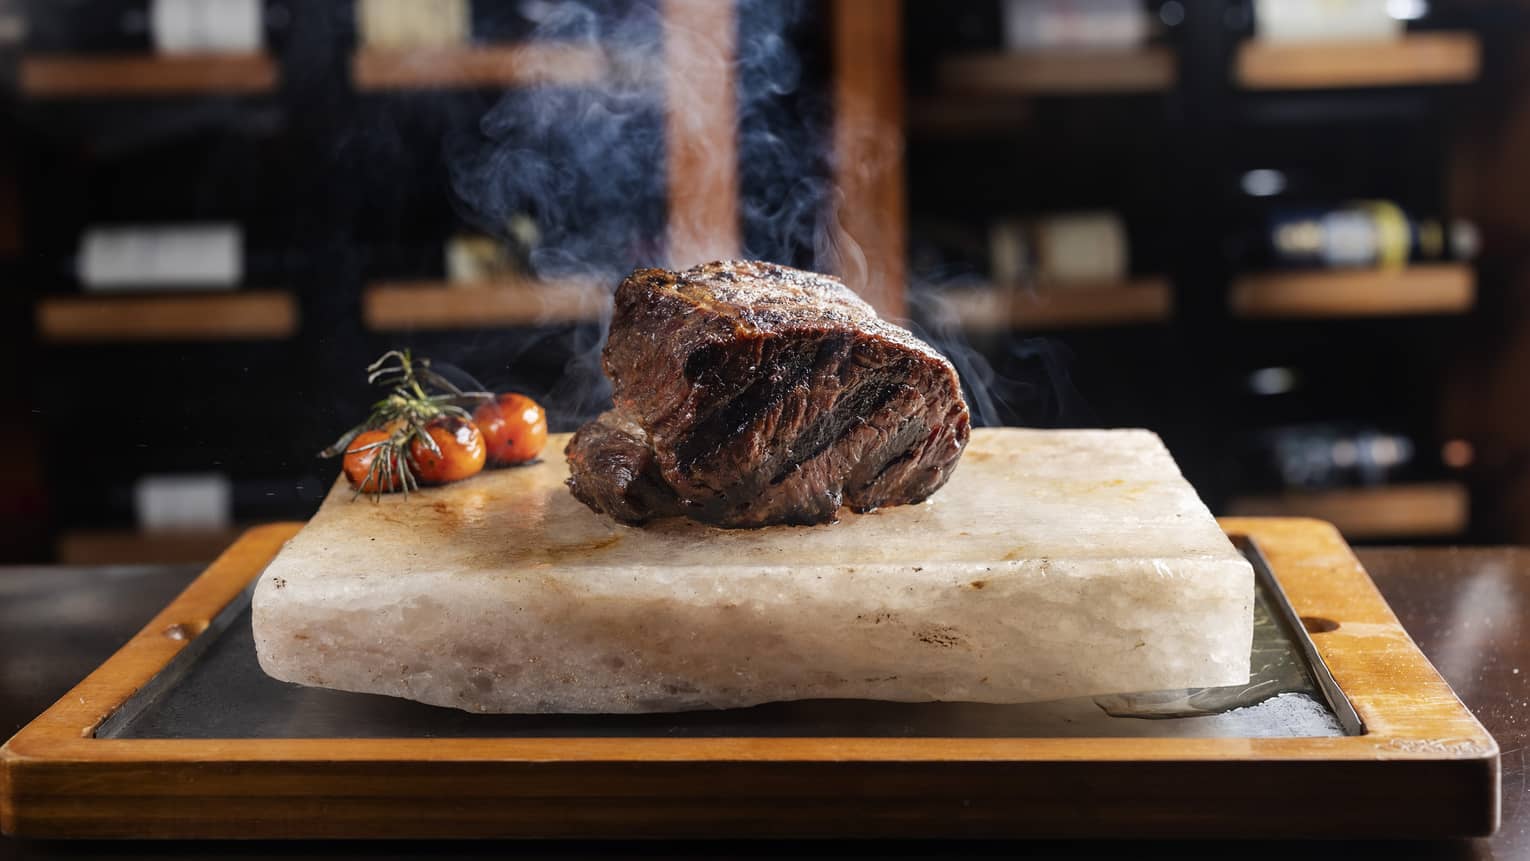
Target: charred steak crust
x: 772, y: 395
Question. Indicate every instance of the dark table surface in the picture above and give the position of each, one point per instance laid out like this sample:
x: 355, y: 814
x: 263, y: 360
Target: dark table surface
x: 1469, y: 609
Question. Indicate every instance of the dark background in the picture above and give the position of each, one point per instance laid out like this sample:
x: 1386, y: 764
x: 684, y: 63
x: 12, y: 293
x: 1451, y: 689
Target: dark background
x: 337, y: 188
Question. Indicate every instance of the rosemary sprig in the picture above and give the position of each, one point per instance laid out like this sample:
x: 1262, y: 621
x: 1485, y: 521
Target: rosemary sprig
x: 408, y: 409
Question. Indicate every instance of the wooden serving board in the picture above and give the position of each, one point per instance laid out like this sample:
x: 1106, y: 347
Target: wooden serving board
x: 1422, y: 766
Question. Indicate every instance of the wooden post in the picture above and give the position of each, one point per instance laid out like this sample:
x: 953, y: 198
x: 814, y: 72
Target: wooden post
x: 870, y: 210
x: 702, y: 130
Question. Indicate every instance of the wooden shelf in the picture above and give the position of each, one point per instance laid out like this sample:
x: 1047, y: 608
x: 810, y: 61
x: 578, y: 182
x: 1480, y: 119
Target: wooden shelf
x: 988, y: 308
x: 133, y: 547
x: 478, y: 66
x: 1418, y: 59
x: 1438, y: 288
x: 240, y: 315
x: 968, y: 115
x: 441, y: 305
x: 77, y: 76
x: 1394, y: 511
x: 1061, y: 72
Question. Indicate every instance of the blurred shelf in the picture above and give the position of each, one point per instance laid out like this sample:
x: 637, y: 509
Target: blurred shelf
x: 1057, y: 72
x: 1393, y: 511
x: 1416, y: 59
x: 132, y: 547
x: 1436, y: 288
x: 443, y: 305
x: 83, y: 76
x: 238, y: 315
x: 10, y: 216
x: 1143, y: 300
x: 477, y: 66
x: 968, y: 115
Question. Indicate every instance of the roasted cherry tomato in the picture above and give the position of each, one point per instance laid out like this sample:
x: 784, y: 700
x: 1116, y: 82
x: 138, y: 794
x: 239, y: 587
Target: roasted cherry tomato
x: 362, y: 453
x: 514, y: 428
x: 461, y: 456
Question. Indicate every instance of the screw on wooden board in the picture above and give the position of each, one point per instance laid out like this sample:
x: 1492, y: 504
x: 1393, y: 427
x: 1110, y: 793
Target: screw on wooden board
x: 1319, y: 625
x: 184, y: 630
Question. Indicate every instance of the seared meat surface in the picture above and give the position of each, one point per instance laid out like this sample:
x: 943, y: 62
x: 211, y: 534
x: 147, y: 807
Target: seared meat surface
x: 767, y: 395
x: 612, y: 469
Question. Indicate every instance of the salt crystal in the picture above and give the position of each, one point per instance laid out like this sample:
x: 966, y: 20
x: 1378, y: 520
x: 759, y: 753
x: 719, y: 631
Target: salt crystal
x: 1054, y: 564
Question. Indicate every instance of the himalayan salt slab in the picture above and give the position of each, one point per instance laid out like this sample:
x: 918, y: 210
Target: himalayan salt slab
x: 1054, y: 564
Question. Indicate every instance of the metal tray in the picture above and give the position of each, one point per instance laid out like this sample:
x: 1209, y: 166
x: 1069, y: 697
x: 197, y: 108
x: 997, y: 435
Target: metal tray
x: 215, y: 689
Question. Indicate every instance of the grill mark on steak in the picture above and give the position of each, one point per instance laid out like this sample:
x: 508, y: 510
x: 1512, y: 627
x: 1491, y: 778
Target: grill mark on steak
x: 758, y: 394
x: 866, y: 397
x: 788, y: 372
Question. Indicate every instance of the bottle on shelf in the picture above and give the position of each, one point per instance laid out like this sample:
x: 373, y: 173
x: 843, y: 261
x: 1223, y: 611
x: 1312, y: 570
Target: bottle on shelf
x: 169, y: 27
x: 401, y: 24
x: 1324, y: 455
x: 1032, y: 25
x: 1071, y: 250
x: 1367, y: 233
x: 1330, y: 20
x: 195, y: 256
x: 13, y: 26
x: 473, y: 258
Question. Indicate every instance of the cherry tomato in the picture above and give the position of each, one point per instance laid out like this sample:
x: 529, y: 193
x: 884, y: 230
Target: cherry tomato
x: 462, y: 451
x: 359, y: 457
x: 514, y: 428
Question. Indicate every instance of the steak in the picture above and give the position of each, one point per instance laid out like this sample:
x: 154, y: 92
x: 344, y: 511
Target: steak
x: 763, y: 394
x: 612, y: 469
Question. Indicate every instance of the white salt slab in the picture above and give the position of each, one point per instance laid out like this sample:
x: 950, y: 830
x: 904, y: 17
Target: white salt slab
x: 1054, y: 564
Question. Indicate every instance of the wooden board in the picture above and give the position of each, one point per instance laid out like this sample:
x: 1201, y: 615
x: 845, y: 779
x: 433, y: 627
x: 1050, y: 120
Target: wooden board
x: 1424, y: 767
x: 78, y: 76
x: 1437, y: 288
x: 1415, y: 59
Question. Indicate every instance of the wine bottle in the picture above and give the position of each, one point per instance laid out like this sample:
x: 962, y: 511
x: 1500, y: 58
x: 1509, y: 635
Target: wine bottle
x: 182, y: 501
x: 1045, y: 24
x: 1066, y: 250
x: 207, y: 256
x: 1327, y: 20
x: 473, y: 258
x: 207, y: 26
x: 1364, y: 233
x: 145, y: 26
x: 13, y: 26
x: 396, y: 24
x: 1327, y: 454
x: 197, y: 256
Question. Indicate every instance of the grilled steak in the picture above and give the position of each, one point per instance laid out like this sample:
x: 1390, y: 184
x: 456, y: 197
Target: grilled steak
x: 767, y: 395
x: 612, y: 469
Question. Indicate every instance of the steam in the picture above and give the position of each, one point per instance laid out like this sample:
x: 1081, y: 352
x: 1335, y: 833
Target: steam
x: 585, y: 162
x: 1032, y: 384
x: 588, y: 164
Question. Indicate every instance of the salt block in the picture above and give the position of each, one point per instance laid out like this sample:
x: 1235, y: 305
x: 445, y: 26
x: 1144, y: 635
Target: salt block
x: 1054, y: 564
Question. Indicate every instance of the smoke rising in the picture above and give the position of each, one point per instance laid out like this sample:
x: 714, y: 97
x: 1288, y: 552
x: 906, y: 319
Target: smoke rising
x: 587, y: 164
